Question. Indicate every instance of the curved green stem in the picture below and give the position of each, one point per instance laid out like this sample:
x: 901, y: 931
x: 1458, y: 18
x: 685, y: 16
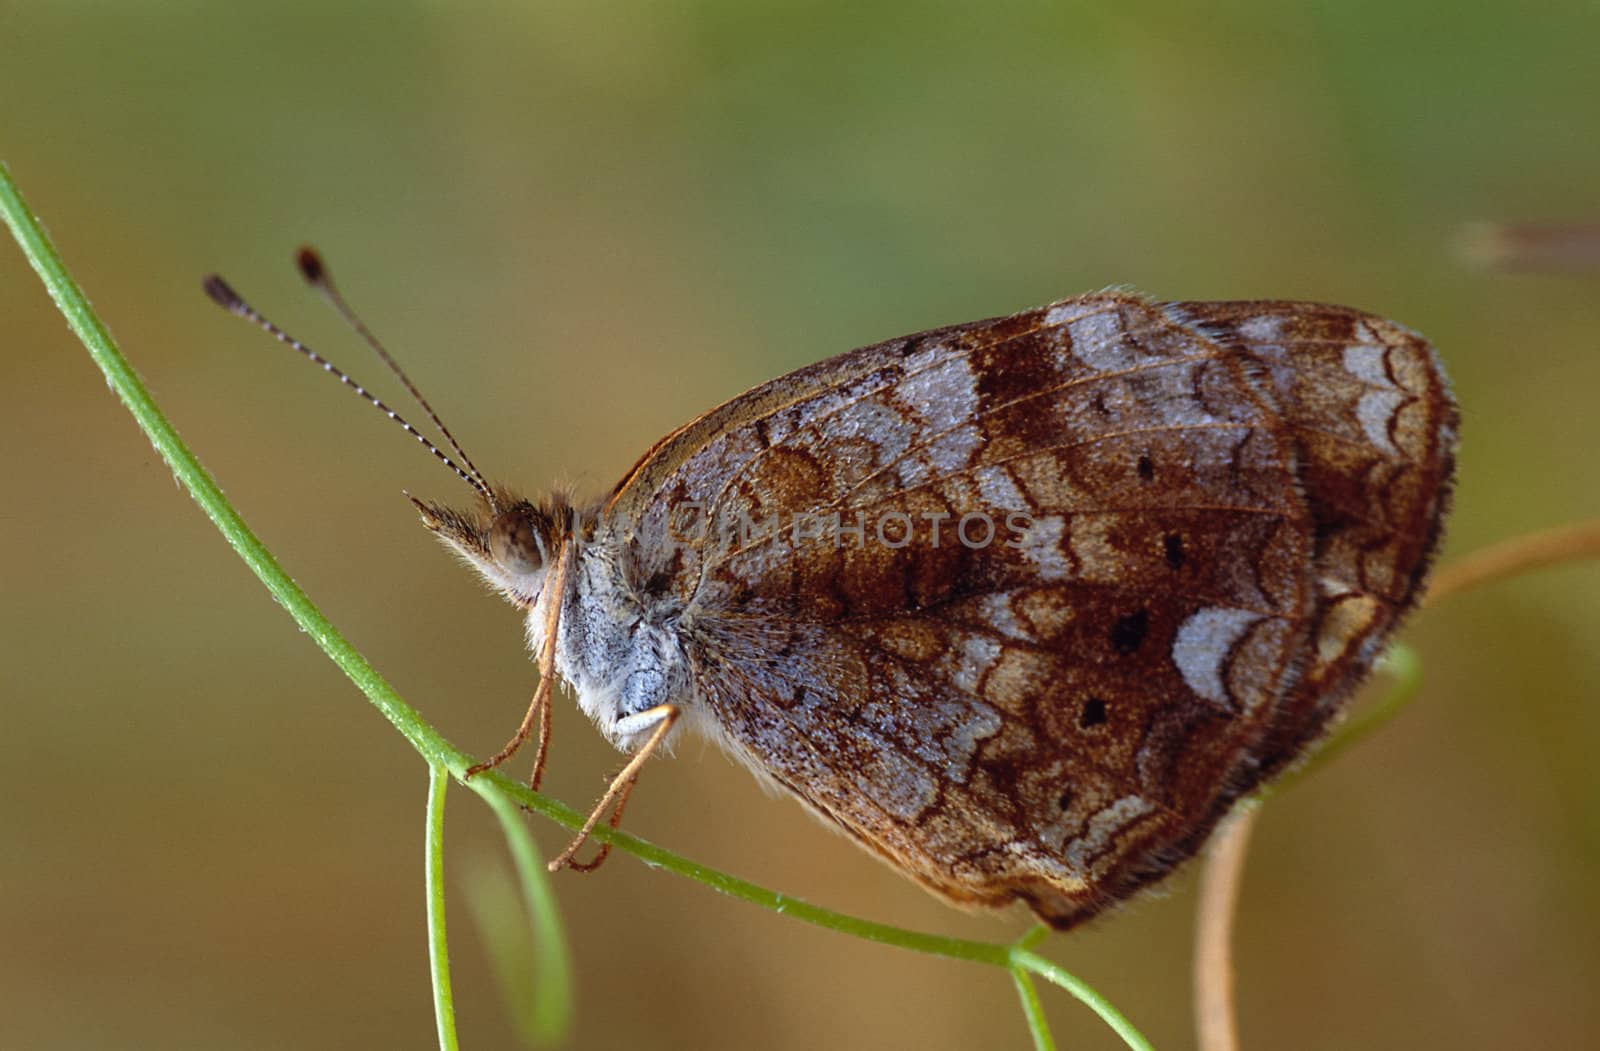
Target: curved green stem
x: 1028, y: 960
x: 81, y: 318
x: 1033, y: 1010
x: 552, y: 991
x: 429, y: 743
x: 446, y: 760
x: 444, y: 1007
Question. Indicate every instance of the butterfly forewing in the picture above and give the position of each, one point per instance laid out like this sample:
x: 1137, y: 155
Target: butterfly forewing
x: 1024, y: 604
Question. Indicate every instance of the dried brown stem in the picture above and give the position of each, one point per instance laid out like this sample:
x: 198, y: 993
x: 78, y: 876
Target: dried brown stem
x: 1517, y: 555
x: 1216, y: 1028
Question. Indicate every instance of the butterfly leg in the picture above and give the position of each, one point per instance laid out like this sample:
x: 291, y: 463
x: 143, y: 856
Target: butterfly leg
x: 538, y: 708
x: 538, y: 714
x: 663, y: 716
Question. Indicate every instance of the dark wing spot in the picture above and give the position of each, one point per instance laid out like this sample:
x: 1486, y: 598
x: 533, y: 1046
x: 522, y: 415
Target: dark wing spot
x: 1128, y: 632
x: 1173, y: 546
x: 1093, y: 714
x: 1147, y: 468
x: 1065, y: 802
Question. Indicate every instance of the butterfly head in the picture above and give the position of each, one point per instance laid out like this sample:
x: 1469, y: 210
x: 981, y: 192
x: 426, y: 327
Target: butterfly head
x: 510, y: 541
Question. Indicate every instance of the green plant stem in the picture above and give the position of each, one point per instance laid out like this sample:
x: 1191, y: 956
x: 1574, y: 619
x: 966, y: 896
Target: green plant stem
x: 494, y: 787
x: 1025, y: 959
x: 1033, y: 1010
x: 552, y: 991
x: 69, y: 298
x: 428, y: 742
x: 497, y: 789
x: 444, y: 1008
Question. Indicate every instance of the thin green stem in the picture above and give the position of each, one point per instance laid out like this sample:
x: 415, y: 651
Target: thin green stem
x: 69, y: 298
x: 1009, y: 956
x: 1031, y: 937
x: 1033, y: 1010
x: 774, y: 901
x: 423, y: 737
x: 444, y: 1006
x: 429, y: 743
x: 1025, y: 959
x: 552, y: 991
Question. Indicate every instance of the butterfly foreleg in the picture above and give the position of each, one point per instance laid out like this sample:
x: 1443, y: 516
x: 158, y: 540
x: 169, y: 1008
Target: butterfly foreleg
x: 539, y: 708
x: 658, y: 722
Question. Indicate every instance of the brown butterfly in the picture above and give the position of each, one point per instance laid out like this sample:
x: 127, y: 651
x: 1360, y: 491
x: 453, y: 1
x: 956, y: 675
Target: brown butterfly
x: 1022, y: 605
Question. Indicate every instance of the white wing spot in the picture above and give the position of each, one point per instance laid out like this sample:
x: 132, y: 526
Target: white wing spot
x: 1064, y: 313
x: 1364, y: 361
x: 978, y: 655
x: 1375, y: 410
x: 1264, y: 328
x: 945, y: 396
x: 1202, y: 645
x: 983, y: 723
x: 1265, y: 333
x: 1105, y: 824
x: 999, y: 491
x: 1097, y: 341
x: 995, y: 609
x: 898, y: 784
x: 950, y: 453
x: 1042, y: 546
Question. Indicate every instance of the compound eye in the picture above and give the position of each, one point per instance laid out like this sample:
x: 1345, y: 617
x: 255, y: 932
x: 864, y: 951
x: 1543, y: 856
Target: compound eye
x: 514, y: 544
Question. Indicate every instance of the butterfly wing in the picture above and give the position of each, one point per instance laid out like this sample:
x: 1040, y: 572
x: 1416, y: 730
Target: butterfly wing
x: 1038, y: 651
x: 1375, y: 426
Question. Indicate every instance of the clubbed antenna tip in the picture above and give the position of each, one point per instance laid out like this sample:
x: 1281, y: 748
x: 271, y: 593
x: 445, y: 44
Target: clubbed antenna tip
x: 311, y: 266
x: 223, y: 295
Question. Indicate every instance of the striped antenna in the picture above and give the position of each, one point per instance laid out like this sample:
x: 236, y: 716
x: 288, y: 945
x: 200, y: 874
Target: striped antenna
x: 315, y: 271
x: 224, y: 296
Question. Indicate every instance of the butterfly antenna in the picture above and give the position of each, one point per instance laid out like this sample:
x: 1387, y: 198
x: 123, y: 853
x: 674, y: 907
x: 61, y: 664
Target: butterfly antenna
x: 315, y: 272
x: 224, y: 296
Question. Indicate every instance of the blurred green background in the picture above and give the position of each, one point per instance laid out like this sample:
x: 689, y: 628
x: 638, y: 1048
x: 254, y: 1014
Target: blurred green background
x: 582, y: 224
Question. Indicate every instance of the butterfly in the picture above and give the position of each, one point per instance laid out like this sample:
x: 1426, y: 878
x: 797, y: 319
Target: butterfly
x: 1022, y: 606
